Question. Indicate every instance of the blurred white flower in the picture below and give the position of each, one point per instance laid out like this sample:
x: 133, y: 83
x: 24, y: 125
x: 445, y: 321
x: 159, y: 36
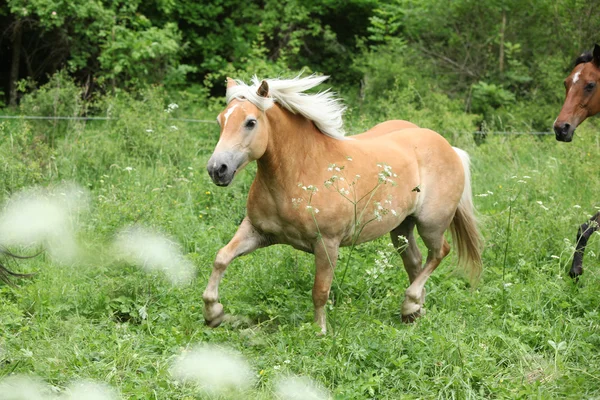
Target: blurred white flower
x: 154, y: 252
x: 300, y: 388
x: 213, y: 369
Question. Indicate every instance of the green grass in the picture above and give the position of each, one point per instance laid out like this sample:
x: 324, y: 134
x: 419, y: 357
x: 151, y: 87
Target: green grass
x: 500, y: 339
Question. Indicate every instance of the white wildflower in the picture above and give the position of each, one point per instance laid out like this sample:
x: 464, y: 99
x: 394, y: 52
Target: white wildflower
x: 300, y: 388
x: 46, y: 218
x: 171, y: 107
x: 213, y: 369
x: 89, y: 390
x: 542, y: 205
x: 154, y: 252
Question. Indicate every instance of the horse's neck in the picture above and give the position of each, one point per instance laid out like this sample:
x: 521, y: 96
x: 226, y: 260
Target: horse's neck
x: 295, y: 147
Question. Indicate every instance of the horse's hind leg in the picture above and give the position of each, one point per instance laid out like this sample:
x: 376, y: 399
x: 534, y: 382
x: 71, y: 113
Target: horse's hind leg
x: 438, y: 248
x: 246, y: 240
x: 326, y: 253
x: 409, y: 251
x: 583, y: 234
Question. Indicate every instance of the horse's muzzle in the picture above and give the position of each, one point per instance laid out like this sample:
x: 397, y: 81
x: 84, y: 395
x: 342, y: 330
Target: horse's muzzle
x: 222, y: 167
x: 564, y: 131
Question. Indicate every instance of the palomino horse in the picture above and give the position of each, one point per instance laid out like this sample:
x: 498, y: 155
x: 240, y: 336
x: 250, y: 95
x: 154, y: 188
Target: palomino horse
x: 582, y: 101
x: 317, y: 190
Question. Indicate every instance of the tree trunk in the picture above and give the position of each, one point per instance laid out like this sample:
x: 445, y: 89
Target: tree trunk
x: 501, y: 55
x: 16, y: 62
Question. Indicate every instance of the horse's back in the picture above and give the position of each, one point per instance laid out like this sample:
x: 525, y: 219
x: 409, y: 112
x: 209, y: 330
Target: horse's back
x: 405, y: 135
x: 402, y: 133
x: 385, y: 128
x: 415, y: 150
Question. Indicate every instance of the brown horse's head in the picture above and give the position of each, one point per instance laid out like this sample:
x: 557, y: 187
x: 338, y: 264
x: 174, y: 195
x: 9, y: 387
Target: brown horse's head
x: 583, y: 95
x: 244, y: 134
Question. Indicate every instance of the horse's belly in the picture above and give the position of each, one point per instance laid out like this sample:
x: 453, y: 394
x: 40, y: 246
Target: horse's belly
x: 281, y: 233
x: 373, y: 230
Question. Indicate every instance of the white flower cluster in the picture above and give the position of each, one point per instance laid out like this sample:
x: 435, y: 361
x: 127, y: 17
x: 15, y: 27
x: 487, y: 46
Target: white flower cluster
x: 382, y: 263
x: 171, y: 107
x: 386, y: 174
x: 309, y: 188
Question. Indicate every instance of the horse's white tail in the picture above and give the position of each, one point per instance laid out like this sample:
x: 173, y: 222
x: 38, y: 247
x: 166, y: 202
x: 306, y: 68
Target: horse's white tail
x: 465, y: 234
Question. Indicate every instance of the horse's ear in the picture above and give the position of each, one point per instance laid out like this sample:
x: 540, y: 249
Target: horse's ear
x: 263, y: 89
x: 596, y: 55
x: 231, y: 83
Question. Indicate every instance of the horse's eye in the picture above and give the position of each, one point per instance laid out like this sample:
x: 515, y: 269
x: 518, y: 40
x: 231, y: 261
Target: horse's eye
x: 590, y: 86
x: 251, y: 123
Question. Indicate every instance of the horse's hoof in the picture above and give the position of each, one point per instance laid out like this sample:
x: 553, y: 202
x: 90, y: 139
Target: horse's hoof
x: 216, y: 321
x: 410, y: 318
x: 575, y: 272
x: 216, y: 315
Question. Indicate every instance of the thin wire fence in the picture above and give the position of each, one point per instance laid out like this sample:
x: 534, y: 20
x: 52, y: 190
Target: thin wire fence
x: 206, y: 121
x: 38, y: 117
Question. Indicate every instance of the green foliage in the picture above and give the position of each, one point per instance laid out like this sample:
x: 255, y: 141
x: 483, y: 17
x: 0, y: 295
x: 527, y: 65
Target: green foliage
x: 393, y: 87
x: 132, y: 58
x: 487, y: 97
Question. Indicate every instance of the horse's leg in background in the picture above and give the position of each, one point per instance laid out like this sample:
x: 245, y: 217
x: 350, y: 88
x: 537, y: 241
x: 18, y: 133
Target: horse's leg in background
x: 432, y: 234
x: 245, y: 241
x: 326, y: 254
x: 583, y: 234
x: 409, y: 251
x: 5, y: 273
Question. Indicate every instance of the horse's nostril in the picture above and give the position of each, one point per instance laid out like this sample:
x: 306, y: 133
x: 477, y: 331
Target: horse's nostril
x: 562, y: 129
x: 222, y: 169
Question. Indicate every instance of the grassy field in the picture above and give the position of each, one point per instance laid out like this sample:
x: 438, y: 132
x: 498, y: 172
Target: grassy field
x: 525, y: 331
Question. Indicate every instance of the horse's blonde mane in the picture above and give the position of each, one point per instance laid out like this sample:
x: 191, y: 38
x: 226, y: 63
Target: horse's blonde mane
x: 323, y: 108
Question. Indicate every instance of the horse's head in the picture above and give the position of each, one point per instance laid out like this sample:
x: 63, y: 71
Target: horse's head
x: 583, y: 95
x: 244, y: 135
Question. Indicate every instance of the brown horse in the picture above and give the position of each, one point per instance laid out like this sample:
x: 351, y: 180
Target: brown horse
x: 5, y: 273
x: 317, y: 190
x: 582, y: 98
x: 582, y: 101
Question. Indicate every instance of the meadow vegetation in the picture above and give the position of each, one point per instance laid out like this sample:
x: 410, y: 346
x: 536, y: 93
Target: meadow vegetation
x: 526, y: 330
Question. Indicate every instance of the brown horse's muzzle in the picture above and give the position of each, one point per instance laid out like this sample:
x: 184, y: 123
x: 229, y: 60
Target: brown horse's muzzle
x: 222, y: 166
x: 564, y: 131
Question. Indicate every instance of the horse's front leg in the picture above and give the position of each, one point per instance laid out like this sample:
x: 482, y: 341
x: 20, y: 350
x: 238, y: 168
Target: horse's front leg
x: 583, y: 234
x: 326, y: 254
x: 246, y: 240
